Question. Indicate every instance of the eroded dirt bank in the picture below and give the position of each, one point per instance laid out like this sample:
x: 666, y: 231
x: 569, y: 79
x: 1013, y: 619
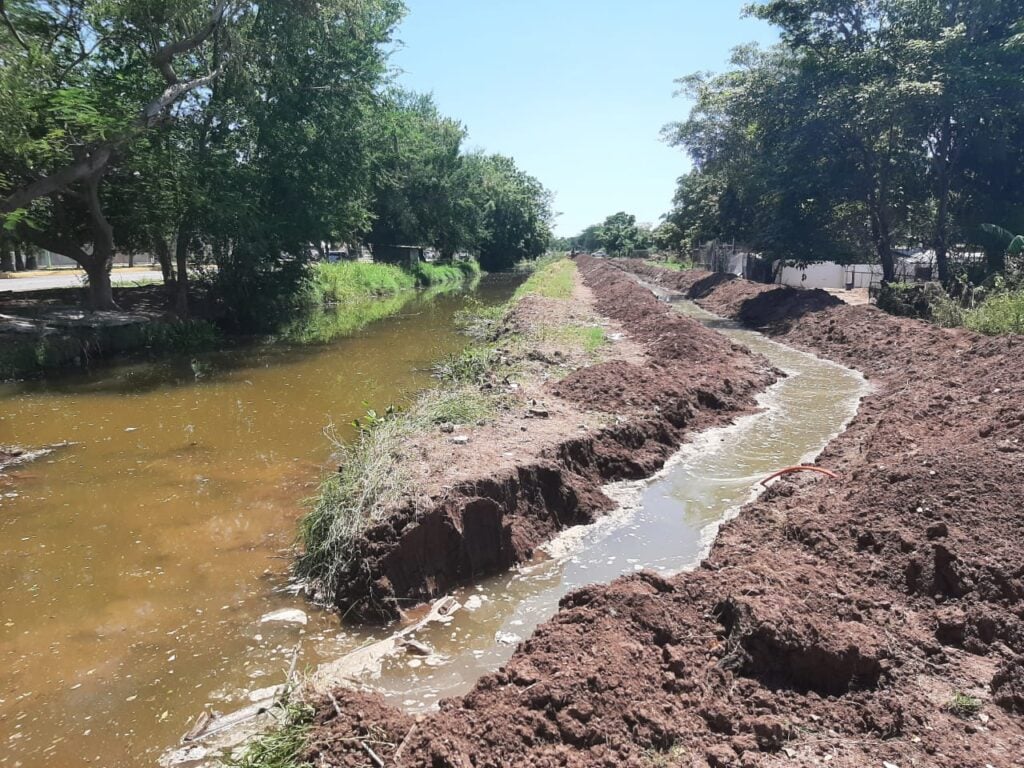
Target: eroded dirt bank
x: 871, y: 621
x: 569, y: 428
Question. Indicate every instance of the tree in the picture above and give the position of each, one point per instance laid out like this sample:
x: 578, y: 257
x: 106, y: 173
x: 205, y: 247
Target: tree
x: 81, y: 82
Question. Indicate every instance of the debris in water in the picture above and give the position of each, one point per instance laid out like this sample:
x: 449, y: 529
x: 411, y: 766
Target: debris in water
x: 286, y: 616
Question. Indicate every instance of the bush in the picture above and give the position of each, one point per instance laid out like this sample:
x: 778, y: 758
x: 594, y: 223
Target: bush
x: 924, y: 301
x: 351, y: 280
x: 999, y: 314
x: 439, y: 274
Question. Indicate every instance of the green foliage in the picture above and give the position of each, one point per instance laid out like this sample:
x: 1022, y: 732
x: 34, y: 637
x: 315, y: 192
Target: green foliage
x: 869, y: 126
x: 282, y: 747
x: 963, y: 705
x: 351, y: 280
x: 470, y: 366
x: 458, y: 405
x: 618, y: 235
x: 997, y: 315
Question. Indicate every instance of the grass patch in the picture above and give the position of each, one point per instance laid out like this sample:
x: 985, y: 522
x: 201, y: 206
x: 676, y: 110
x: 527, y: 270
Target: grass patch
x: 998, y: 315
x: 556, y: 280
x: 352, y: 280
x: 463, y: 405
x: 589, y: 338
x: 282, y: 747
x: 963, y: 705
x: 675, y: 266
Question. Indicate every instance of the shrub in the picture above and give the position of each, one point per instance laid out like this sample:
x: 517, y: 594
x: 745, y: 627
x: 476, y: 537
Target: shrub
x: 999, y: 314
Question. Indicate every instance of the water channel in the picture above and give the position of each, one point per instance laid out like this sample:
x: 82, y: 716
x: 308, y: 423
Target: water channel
x: 137, y: 565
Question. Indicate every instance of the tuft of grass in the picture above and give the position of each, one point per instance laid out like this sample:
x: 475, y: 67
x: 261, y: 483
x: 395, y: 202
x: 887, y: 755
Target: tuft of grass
x: 470, y: 366
x: 556, y: 280
x: 589, y: 337
x: 963, y: 705
x: 997, y: 315
x: 463, y: 405
x: 372, y: 478
x: 282, y: 747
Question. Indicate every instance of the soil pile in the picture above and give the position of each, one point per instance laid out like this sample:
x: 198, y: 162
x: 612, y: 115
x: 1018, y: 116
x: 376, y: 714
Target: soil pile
x: 487, y: 508
x: 872, y: 621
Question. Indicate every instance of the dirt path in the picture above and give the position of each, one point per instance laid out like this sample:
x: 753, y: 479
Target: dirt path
x: 874, y: 621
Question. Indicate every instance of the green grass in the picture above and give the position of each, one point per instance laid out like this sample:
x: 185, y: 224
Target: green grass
x: 281, y: 748
x: 1000, y: 314
x: 349, y: 281
x: 182, y: 338
x: 676, y: 266
x: 556, y: 280
x: 963, y: 705
x: 352, y: 280
x: 589, y: 338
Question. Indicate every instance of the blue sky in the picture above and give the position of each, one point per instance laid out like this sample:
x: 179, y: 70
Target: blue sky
x: 575, y: 90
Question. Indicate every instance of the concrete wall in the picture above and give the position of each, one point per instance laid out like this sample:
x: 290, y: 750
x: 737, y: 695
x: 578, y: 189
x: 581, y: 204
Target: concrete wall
x: 830, y: 275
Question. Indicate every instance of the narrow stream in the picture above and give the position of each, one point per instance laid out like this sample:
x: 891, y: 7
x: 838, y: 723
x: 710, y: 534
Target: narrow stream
x: 666, y: 524
x: 136, y: 566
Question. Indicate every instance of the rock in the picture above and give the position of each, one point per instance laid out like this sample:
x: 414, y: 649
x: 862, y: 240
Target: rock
x: 286, y: 616
x: 539, y: 413
x: 447, y: 428
x: 460, y: 440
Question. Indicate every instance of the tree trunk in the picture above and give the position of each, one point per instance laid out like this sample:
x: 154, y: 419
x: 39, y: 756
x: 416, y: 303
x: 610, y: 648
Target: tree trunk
x: 163, y: 256
x: 101, y: 291
x: 31, y: 262
x: 883, y: 242
x: 181, y: 256
x: 101, y: 261
x: 943, y: 154
x: 6, y: 260
x: 19, y: 259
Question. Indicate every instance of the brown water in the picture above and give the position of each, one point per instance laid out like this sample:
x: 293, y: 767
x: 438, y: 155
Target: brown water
x: 137, y: 564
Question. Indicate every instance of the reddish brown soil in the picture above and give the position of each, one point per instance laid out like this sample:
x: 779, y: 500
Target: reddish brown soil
x: 673, y: 376
x: 833, y: 623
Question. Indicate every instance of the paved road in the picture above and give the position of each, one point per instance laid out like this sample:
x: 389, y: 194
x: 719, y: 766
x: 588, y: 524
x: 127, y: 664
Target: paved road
x: 73, y: 280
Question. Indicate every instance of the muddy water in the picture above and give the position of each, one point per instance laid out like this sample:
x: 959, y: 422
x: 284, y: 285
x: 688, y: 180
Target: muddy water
x: 136, y: 565
x: 666, y: 524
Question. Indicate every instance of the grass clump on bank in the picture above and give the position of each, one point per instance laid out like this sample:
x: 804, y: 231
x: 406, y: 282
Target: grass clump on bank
x: 282, y: 747
x: 347, y: 281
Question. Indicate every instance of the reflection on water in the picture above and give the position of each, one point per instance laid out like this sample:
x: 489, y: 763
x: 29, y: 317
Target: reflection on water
x: 136, y: 565
x: 665, y: 525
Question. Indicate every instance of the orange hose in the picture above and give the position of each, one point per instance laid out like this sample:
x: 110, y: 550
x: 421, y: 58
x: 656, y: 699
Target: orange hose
x: 801, y: 468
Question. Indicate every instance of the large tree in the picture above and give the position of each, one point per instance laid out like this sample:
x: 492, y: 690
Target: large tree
x: 81, y: 82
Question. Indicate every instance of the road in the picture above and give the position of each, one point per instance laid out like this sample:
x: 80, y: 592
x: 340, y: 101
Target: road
x: 73, y: 279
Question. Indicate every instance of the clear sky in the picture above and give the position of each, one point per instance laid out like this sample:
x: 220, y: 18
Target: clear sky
x: 577, y: 91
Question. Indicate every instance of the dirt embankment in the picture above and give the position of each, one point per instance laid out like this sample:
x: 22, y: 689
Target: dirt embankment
x: 872, y: 621
x: 487, y: 504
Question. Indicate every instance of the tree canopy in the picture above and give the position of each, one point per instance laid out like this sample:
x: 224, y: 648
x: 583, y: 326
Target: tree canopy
x: 874, y: 123
x: 238, y: 134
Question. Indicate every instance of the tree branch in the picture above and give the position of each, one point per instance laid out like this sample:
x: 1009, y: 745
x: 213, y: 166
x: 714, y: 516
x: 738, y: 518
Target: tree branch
x: 80, y: 169
x: 10, y: 26
x: 163, y: 59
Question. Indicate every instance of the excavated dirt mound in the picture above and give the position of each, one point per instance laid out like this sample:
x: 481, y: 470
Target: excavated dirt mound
x: 498, y: 517
x: 873, y: 621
